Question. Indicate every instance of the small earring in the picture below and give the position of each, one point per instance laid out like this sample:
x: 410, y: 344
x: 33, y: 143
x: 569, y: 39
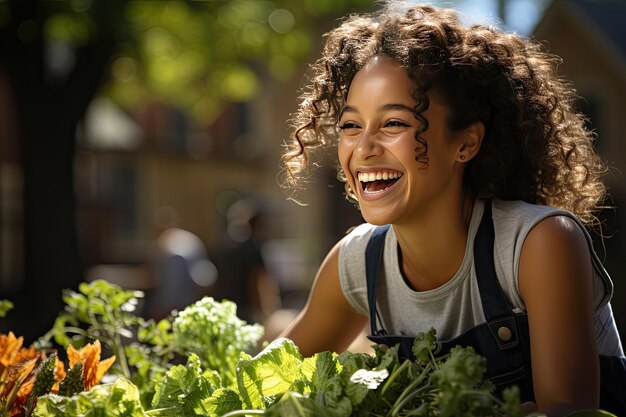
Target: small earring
x: 462, y: 157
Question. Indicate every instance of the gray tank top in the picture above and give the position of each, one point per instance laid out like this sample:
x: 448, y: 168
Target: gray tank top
x: 455, y: 307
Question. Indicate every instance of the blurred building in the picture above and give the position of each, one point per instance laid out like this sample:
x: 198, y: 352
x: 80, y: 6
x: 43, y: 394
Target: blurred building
x: 131, y: 164
x: 590, y: 37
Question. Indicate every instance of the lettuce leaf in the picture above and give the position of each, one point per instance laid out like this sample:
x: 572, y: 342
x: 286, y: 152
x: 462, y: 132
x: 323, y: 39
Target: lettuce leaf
x: 222, y: 401
x: 184, y: 389
x: 118, y: 399
x: 270, y: 373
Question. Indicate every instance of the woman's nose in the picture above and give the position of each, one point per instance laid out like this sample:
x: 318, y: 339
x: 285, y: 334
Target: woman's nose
x: 368, y: 145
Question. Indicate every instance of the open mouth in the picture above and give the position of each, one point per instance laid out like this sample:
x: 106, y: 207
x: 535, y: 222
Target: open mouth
x: 376, y: 182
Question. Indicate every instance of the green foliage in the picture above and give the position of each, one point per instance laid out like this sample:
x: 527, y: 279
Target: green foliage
x: 5, y: 306
x: 73, y: 382
x: 270, y: 373
x: 44, y: 381
x: 107, y: 310
x: 146, y: 349
x: 213, y: 332
x: 118, y: 399
x: 194, y: 55
x: 190, y: 391
x: 220, y: 379
x: 45, y: 377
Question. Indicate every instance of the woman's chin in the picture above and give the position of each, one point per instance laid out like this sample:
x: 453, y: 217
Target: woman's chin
x: 377, y: 216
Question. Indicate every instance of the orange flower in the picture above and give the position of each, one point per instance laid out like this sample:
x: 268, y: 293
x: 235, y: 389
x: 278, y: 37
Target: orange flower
x: 16, y: 372
x: 16, y: 385
x: 22, y: 395
x: 89, y: 355
x: 12, y: 352
x: 9, y: 346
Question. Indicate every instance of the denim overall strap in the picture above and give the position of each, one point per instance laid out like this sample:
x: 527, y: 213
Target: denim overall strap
x: 494, y: 302
x: 499, y: 316
x: 373, y: 257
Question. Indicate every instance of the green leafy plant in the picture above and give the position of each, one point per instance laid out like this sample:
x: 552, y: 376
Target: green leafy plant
x: 99, y: 310
x: 279, y: 382
x: 198, y: 363
x: 118, y: 399
x: 146, y: 349
x: 44, y: 381
x: 216, y: 335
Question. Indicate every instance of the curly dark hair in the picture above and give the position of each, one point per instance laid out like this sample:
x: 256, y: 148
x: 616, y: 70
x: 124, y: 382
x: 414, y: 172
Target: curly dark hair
x: 536, y: 146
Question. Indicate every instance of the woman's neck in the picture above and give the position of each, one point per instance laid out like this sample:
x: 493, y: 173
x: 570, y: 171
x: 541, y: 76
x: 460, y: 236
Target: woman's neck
x: 432, y: 248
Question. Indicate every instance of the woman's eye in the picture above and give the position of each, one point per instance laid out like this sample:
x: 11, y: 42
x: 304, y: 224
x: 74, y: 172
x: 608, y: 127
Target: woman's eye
x: 395, y: 123
x: 348, y: 125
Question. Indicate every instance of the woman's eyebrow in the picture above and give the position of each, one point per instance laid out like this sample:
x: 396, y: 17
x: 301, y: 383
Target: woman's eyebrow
x: 348, y: 109
x: 383, y: 108
x: 395, y: 106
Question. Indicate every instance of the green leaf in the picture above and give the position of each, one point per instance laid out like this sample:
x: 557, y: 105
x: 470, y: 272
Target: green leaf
x: 352, y: 362
x: 272, y: 372
x: 184, y: 387
x: 424, y: 346
x: 319, y: 368
x: 334, y: 397
x: 464, y: 368
x: 222, y: 401
x: 43, y: 382
x: 73, y: 382
x: 119, y: 399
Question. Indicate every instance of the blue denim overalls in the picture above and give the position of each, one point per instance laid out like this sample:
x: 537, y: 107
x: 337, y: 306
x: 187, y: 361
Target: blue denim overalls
x: 504, y: 338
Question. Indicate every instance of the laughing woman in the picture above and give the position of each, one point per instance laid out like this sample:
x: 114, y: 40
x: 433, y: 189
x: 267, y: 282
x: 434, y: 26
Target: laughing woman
x: 477, y: 180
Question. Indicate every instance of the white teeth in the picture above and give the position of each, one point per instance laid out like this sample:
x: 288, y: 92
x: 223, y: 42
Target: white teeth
x: 374, y: 176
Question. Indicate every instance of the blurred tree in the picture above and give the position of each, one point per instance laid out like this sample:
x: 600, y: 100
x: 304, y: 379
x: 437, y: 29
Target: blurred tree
x: 195, y: 55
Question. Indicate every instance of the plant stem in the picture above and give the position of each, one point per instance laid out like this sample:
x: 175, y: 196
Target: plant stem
x: 116, y: 341
x: 122, y: 357
x: 407, y: 391
x: 399, y: 405
x: 394, y: 375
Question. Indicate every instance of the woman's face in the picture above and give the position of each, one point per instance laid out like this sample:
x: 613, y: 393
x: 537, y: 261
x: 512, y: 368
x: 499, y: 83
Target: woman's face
x: 377, y: 146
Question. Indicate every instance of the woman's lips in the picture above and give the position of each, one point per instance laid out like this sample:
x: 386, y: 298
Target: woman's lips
x: 374, y: 189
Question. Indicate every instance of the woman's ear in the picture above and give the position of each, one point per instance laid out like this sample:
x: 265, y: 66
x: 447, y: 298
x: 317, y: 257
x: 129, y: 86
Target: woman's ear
x: 471, y: 139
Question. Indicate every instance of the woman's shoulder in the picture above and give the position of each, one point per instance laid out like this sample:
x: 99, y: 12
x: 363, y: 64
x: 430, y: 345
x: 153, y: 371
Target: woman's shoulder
x: 523, y: 211
x: 356, y: 238
x: 516, y: 218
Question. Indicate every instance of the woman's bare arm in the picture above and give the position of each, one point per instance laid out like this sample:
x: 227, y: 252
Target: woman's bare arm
x: 555, y: 279
x: 327, y: 322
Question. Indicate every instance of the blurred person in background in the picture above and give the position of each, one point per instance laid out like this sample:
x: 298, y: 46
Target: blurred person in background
x: 243, y: 276
x: 180, y: 267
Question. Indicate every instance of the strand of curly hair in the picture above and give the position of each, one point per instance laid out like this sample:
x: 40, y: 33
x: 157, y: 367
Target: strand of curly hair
x: 536, y: 146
